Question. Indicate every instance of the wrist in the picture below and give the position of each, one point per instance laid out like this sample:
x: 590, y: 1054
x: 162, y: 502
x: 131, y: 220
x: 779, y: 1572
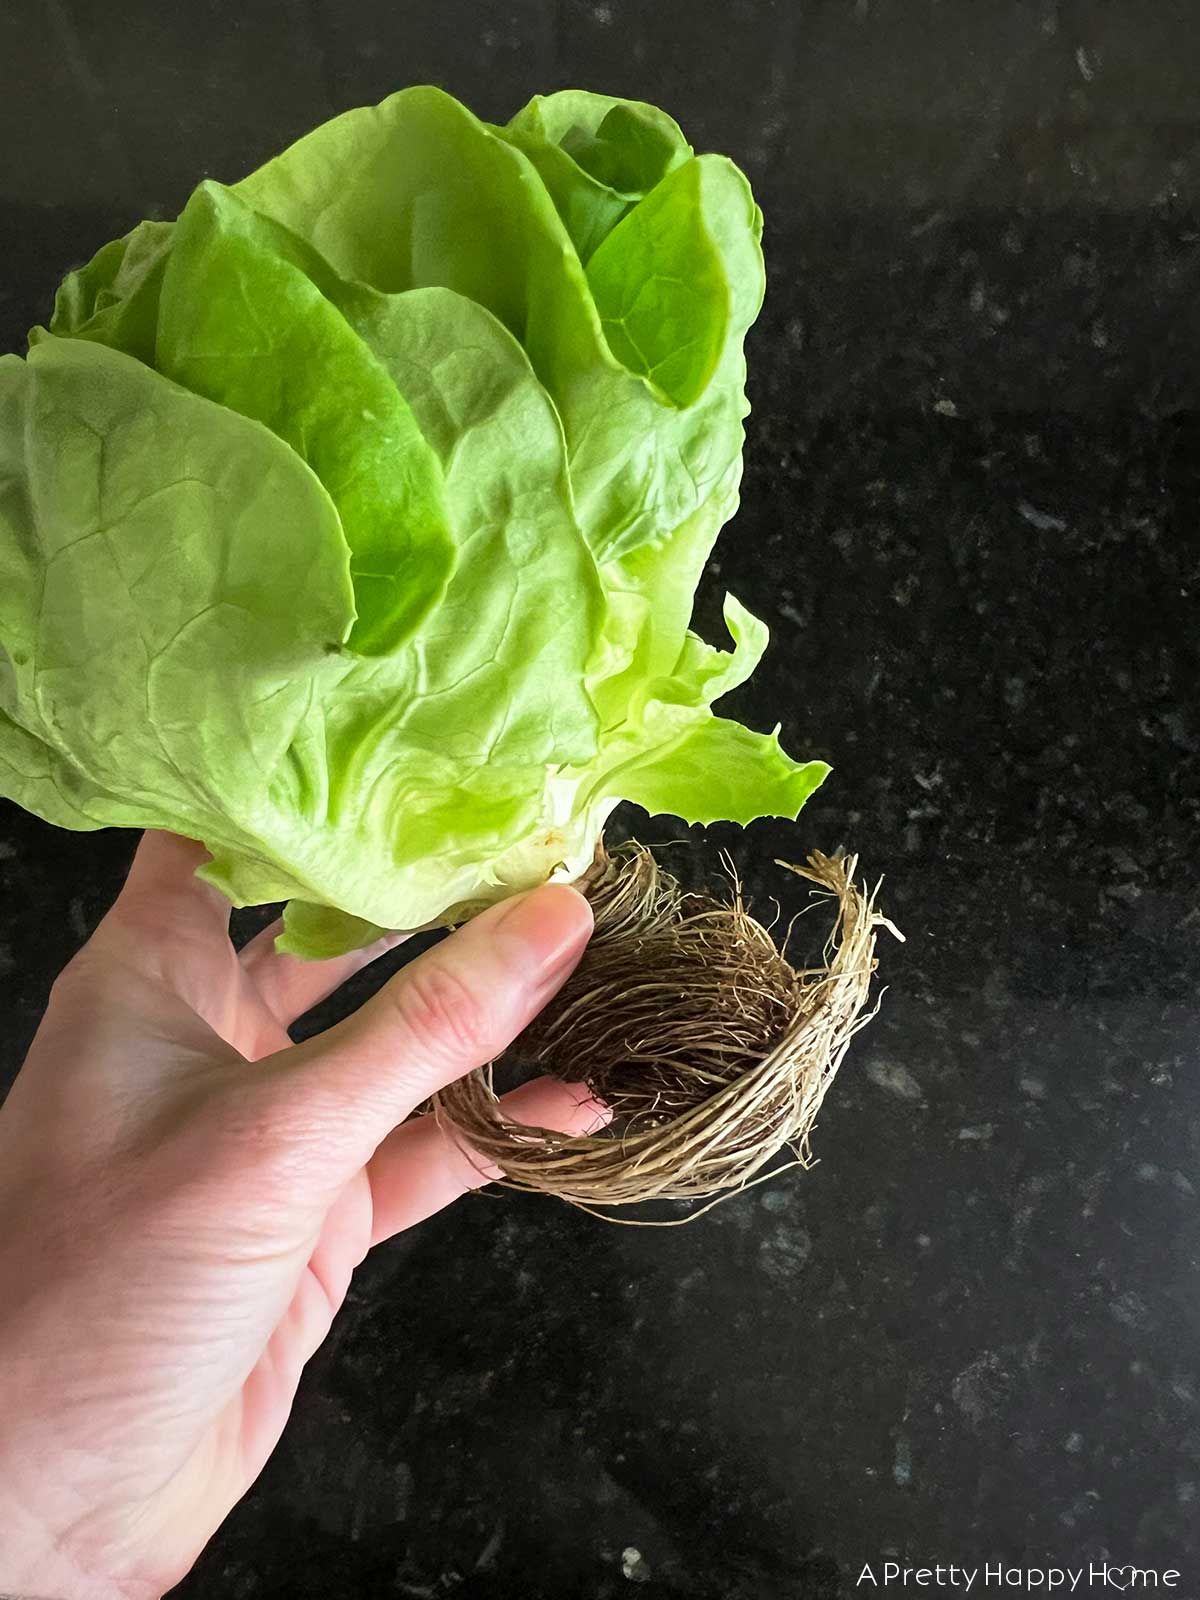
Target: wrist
x: 45, y: 1549
x: 36, y: 1565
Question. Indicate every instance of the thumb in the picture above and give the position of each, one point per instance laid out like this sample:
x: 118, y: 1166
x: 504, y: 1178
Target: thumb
x: 453, y: 1009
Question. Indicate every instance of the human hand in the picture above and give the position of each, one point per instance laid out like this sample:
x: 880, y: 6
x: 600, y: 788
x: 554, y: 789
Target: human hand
x: 178, y: 1227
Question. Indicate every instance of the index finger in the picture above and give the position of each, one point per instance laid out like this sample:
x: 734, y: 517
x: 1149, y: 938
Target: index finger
x: 289, y: 986
x: 162, y: 893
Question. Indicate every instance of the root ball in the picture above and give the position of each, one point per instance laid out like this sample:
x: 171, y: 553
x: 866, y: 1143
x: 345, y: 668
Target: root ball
x: 712, y: 1052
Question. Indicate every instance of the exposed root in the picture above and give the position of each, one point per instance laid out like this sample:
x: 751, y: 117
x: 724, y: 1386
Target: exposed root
x: 711, y: 1050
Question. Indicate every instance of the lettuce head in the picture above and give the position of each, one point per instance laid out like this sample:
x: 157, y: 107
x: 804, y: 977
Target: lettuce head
x: 350, y: 523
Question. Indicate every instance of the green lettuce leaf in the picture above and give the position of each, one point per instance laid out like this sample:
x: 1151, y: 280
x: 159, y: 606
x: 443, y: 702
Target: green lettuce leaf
x: 597, y: 157
x: 174, y: 592
x: 240, y: 323
x: 114, y: 299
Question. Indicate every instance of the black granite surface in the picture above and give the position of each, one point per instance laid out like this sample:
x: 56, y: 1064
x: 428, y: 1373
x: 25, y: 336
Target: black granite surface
x: 972, y: 1333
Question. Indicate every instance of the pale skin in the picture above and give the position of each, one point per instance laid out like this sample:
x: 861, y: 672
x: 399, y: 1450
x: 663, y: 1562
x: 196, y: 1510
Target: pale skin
x: 184, y: 1195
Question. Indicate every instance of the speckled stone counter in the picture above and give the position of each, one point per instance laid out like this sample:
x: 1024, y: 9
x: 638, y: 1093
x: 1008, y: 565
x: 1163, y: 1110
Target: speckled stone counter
x: 971, y: 1334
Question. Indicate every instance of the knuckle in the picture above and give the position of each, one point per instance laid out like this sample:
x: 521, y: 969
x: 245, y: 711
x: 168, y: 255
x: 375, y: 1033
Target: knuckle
x: 443, y: 1014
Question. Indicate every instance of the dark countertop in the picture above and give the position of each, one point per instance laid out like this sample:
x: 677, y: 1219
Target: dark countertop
x: 972, y: 1333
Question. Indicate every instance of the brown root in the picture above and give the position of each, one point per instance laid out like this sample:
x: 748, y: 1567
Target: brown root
x: 711, y: 1051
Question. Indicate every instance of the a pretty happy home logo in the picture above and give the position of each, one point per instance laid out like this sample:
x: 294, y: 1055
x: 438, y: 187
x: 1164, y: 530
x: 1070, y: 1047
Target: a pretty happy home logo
x: 995, y: 1575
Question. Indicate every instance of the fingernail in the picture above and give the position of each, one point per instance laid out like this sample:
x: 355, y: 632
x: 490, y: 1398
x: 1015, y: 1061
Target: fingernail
x: 551, y: 926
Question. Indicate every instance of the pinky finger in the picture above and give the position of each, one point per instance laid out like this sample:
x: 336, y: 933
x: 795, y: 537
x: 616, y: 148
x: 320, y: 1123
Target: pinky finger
x: 420, y: 1168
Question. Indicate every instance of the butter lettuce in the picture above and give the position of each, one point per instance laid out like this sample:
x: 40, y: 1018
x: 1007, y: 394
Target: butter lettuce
x: 351, y: 522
